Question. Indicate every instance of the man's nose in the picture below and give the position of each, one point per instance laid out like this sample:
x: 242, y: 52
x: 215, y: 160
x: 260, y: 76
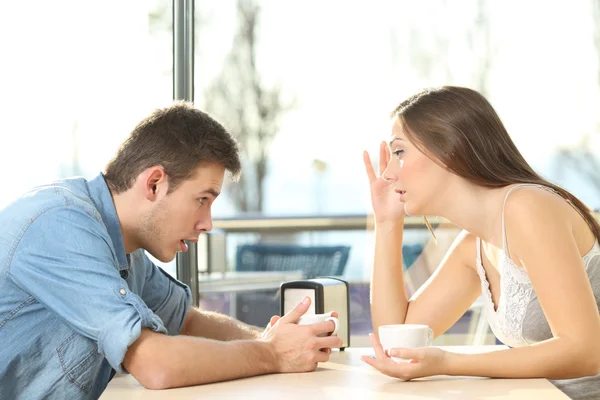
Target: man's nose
x: 205, y: 224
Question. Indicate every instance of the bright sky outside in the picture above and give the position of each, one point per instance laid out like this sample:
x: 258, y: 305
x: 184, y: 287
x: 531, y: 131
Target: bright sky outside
x: 94, y: 69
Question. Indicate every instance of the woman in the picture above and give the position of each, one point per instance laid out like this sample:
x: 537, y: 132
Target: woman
x: 529, y: 246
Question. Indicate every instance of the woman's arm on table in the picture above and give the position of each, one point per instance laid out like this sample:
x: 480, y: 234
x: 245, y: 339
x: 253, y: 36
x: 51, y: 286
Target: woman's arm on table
x: 541, y: 238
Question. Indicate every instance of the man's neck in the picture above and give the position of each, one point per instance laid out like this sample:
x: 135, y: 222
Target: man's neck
x: 127, y: 215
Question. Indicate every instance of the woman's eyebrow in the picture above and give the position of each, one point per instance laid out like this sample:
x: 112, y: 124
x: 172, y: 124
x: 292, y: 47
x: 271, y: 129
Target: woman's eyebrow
x: 394, y: 139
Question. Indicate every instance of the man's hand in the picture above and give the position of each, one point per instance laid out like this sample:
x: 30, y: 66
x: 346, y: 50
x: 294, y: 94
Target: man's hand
x: 159, y: 361
x: 298, y: 348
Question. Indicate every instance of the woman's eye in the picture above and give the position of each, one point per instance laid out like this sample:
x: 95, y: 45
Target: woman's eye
x: 398, y: 152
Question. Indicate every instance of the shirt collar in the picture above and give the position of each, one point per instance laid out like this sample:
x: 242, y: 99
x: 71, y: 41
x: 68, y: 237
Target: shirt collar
x: 105, y: 205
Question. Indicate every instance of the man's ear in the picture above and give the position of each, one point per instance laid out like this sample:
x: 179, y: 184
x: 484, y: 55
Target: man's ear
x: 154, y: 181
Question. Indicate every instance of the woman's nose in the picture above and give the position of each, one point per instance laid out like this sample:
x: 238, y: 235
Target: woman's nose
x: 388, y: 174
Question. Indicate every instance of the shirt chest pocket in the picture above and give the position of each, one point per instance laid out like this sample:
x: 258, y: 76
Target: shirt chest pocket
x: 80, y: 360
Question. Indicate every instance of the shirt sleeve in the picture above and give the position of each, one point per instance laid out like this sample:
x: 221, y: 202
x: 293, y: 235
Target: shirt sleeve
x: 65, y: 260
x: 165, y: 296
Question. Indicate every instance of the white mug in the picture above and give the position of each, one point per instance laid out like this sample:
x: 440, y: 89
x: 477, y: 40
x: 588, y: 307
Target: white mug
x: 309, y: 319
x: 406, y: 336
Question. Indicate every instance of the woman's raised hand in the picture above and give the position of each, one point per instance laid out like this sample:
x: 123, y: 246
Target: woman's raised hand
x: 386, y: 203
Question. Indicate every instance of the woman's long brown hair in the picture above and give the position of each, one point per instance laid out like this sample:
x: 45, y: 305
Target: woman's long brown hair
x: 460, y: 128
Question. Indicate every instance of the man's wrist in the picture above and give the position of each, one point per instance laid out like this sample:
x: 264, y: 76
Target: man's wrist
x: 267, y: 356
x: 257, y: 333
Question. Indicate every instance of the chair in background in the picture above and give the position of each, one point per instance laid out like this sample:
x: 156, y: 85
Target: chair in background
x: 257, y: 307
x: 410, y: 253
x: 313, y: 261
x: 415, y: 265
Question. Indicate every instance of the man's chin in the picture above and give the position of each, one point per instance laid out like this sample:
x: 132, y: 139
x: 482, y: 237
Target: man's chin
x: 165, y: 258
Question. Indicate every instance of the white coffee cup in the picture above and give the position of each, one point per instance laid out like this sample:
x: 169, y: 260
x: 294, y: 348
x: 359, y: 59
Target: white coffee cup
x: 404, y: 336
x: 309, y: 319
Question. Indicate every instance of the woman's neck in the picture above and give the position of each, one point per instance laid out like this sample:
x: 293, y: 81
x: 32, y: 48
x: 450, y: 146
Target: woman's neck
x: 476, y: 209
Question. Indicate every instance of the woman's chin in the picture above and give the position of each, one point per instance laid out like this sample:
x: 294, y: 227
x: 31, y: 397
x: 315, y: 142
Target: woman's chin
x: 415, y: 212
x: 411, y: 211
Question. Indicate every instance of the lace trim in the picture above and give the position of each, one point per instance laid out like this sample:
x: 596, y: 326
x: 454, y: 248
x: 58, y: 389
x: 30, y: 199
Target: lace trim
x: 508, y: 327
x: 515, y: 293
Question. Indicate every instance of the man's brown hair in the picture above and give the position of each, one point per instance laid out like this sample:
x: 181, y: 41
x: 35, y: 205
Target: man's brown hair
x: 179, y: 138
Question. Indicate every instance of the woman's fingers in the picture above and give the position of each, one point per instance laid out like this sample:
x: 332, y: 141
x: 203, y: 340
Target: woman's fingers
x: 369, y: 167
x: 383, y: 157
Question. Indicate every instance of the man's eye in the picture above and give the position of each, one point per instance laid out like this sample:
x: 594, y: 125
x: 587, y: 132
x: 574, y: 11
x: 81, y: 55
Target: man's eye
x: 202, y: 200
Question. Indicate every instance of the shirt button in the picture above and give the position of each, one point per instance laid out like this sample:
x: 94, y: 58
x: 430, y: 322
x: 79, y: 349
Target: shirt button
x: 123, y: 292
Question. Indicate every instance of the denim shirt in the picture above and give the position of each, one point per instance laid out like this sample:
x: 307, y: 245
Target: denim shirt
x: 71, y: 300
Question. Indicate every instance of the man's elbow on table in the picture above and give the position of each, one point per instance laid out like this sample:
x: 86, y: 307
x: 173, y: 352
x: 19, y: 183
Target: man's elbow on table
x: 145, y: 361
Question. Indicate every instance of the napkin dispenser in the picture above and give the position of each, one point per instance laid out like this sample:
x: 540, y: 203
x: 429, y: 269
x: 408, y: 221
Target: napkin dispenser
x: 326, y: 294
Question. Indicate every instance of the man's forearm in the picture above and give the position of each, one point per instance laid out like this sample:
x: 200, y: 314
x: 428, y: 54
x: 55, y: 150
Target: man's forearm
x: 217, y: 326
x: 184, y: 361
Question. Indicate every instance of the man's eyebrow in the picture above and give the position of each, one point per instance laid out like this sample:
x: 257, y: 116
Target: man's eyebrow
x: 394, y: 139
x: 214, y: 192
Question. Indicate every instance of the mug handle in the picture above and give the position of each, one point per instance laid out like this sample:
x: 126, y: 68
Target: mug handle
x: 429, y: 337
x: 336, y: 322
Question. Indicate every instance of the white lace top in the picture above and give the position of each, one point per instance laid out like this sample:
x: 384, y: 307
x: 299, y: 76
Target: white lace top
x: 519, y: 319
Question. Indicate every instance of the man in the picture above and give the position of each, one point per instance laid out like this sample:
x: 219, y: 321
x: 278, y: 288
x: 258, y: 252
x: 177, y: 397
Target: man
x: 80, y: 299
